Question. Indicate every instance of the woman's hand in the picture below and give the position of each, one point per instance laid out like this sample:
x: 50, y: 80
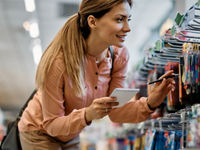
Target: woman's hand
x: 99, y: 108
x: 157, y: 94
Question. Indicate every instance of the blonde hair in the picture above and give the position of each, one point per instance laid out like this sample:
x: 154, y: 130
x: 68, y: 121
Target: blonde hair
x: 71, y: 41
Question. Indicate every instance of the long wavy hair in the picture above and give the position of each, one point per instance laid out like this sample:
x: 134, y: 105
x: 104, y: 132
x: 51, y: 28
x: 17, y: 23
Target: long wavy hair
x: 71, y: 40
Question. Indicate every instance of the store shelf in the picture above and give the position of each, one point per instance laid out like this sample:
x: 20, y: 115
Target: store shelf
x: 191, y: 149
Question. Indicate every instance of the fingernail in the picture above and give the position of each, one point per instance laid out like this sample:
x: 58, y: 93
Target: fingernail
x: 114, y: 98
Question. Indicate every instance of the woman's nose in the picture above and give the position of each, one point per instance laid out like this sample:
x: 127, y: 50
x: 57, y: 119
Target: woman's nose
x: 126, y: 27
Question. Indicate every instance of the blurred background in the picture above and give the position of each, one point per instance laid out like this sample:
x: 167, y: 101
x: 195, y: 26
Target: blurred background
x: 28, y: 26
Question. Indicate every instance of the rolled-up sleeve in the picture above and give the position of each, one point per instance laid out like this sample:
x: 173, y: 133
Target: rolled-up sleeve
x: 55, y: 123
x: 132, y: 112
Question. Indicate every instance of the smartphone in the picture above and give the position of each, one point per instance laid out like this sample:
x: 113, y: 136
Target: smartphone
x: 123, y: 95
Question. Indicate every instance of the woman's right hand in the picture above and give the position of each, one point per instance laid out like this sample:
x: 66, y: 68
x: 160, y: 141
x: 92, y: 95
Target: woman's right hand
x: 157, y: 94
x: 99, y: 108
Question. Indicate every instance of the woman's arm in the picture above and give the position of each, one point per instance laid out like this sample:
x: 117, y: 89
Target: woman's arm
x: 55, y: 122
x: 134, y: 110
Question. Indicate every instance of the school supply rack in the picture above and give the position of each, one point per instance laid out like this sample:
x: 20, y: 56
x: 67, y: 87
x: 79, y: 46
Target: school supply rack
x: 178, y: 50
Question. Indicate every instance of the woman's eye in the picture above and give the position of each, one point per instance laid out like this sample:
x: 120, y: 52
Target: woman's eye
x: 119, y: 19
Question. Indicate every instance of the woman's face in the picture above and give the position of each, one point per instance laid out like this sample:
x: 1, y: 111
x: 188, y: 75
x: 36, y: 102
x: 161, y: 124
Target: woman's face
x: 113, y: 27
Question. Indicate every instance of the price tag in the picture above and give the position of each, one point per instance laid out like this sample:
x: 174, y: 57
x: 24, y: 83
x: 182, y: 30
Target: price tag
x: 173, y: 30
x: 179, y: 19
x: 198, y: 3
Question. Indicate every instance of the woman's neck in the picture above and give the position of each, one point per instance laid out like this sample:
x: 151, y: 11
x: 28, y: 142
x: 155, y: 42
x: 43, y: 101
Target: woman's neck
x: 96, y: 48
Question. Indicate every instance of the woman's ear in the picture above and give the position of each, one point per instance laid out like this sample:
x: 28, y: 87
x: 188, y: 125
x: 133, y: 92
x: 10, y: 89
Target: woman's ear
x: 91, y: 21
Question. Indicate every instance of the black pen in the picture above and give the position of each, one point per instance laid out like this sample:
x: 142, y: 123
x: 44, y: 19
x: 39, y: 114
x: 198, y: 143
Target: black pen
x: 159, y: 80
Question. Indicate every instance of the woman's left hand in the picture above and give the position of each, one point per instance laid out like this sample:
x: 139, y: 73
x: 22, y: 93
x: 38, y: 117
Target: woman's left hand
x: 159, y: 91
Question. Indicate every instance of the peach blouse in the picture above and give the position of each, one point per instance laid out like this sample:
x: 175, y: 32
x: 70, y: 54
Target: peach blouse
x: 56, y: 110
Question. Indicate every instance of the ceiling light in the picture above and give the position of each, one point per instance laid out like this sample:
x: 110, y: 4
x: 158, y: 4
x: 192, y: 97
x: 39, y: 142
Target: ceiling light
x: 34, y: 30
x: 26, y: 25
x: 37, y: 53
x: 29, y: 5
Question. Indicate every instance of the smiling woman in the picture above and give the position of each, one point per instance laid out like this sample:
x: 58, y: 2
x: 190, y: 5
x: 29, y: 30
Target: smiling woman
x: 72, y: 89
x: 111, y: 29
